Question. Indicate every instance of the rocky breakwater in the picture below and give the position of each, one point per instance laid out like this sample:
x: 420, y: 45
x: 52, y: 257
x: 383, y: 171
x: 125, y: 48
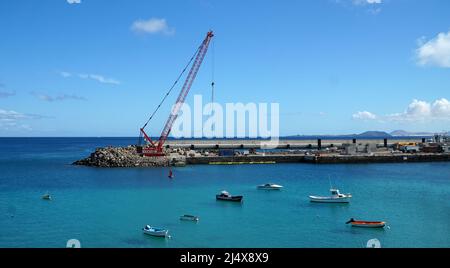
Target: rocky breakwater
x: 121, y: 157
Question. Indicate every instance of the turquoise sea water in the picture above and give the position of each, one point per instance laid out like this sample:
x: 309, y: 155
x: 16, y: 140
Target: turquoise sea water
x: 108, y: 207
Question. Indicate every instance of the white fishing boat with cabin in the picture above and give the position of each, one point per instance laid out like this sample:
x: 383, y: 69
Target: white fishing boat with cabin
x: 335, y: 197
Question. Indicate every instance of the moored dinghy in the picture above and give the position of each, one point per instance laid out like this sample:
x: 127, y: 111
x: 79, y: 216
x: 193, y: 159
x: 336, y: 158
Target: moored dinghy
x: 366, y: 224
x: 155, y: 231
x: 336, y: 197
x: 269, y: 186
x: 226, y: 196
x: 189, y: 218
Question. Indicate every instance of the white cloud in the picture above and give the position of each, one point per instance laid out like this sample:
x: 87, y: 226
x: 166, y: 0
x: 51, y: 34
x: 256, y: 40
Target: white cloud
x: 418, y: 108
x: 10, y: 116
x: 435, y: 52
x: 152, y: 26
x: 99, y: 78
x: 373, y: 7
x: 13, y: 116
x: 12, y: 120
x: 74, y: 1
x: 417, y: 111
x: 365, y: 115
x: 367, y: 2
x: 441, y: 108
x: 96, y: 77
x: 62, y: 97
x: 65, y: 74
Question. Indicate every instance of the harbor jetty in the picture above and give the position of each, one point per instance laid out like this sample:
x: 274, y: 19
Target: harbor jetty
x: 121, y: 157
x: 229, y: 152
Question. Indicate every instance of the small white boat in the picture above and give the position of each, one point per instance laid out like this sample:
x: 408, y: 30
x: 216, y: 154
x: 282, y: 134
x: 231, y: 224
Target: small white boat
x: 336, y: 197
x: 189, y: 218
x: 269, y: 186
x: 154, y: 231
x: 47, y: 196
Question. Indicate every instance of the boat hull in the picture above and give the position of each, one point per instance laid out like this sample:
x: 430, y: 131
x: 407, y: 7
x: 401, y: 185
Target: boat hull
x: 237, y: 198
x: 157, y: 233
x: 189, y: 218
x: 368, y: 224
x: 269, y: 187
x: 319, y: 199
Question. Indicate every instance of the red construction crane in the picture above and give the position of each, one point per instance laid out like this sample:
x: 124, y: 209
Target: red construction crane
x: 156, y: 148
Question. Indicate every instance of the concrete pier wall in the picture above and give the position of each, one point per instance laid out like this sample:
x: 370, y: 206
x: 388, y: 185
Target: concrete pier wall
x: 379, y: 158
x: 323, y: 159
x: 282, y: 144
x: 245, y: 159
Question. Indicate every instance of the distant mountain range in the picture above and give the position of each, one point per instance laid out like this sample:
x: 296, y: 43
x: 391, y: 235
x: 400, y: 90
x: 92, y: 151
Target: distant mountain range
x: 399, y: 133
x: 376, y: 134
x: 407, y: 133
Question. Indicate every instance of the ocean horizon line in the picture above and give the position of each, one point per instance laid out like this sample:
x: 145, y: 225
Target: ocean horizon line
x: 348, y: 136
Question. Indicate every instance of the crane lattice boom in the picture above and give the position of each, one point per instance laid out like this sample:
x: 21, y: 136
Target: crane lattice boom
x: 156, y: 149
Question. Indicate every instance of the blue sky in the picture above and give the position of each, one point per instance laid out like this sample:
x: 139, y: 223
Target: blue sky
x: 334, y: 66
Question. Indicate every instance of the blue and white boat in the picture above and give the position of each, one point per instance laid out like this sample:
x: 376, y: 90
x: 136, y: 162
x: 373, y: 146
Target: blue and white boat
x: 155, y: 231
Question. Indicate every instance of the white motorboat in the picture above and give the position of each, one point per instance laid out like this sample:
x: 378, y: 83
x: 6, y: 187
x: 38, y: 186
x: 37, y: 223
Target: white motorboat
x: 269, y: 186
x: 189, y: 218
x: 154, y: 231
x: 336, y: 197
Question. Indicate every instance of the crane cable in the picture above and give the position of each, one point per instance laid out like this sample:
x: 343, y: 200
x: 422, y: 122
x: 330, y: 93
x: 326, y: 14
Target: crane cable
x: 212, y: 72
x: 174, y: 84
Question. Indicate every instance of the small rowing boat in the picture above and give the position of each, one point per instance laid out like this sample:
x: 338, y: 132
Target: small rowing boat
x: 366, y: 224
x: 189, y: 218
x: 154, y: 231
